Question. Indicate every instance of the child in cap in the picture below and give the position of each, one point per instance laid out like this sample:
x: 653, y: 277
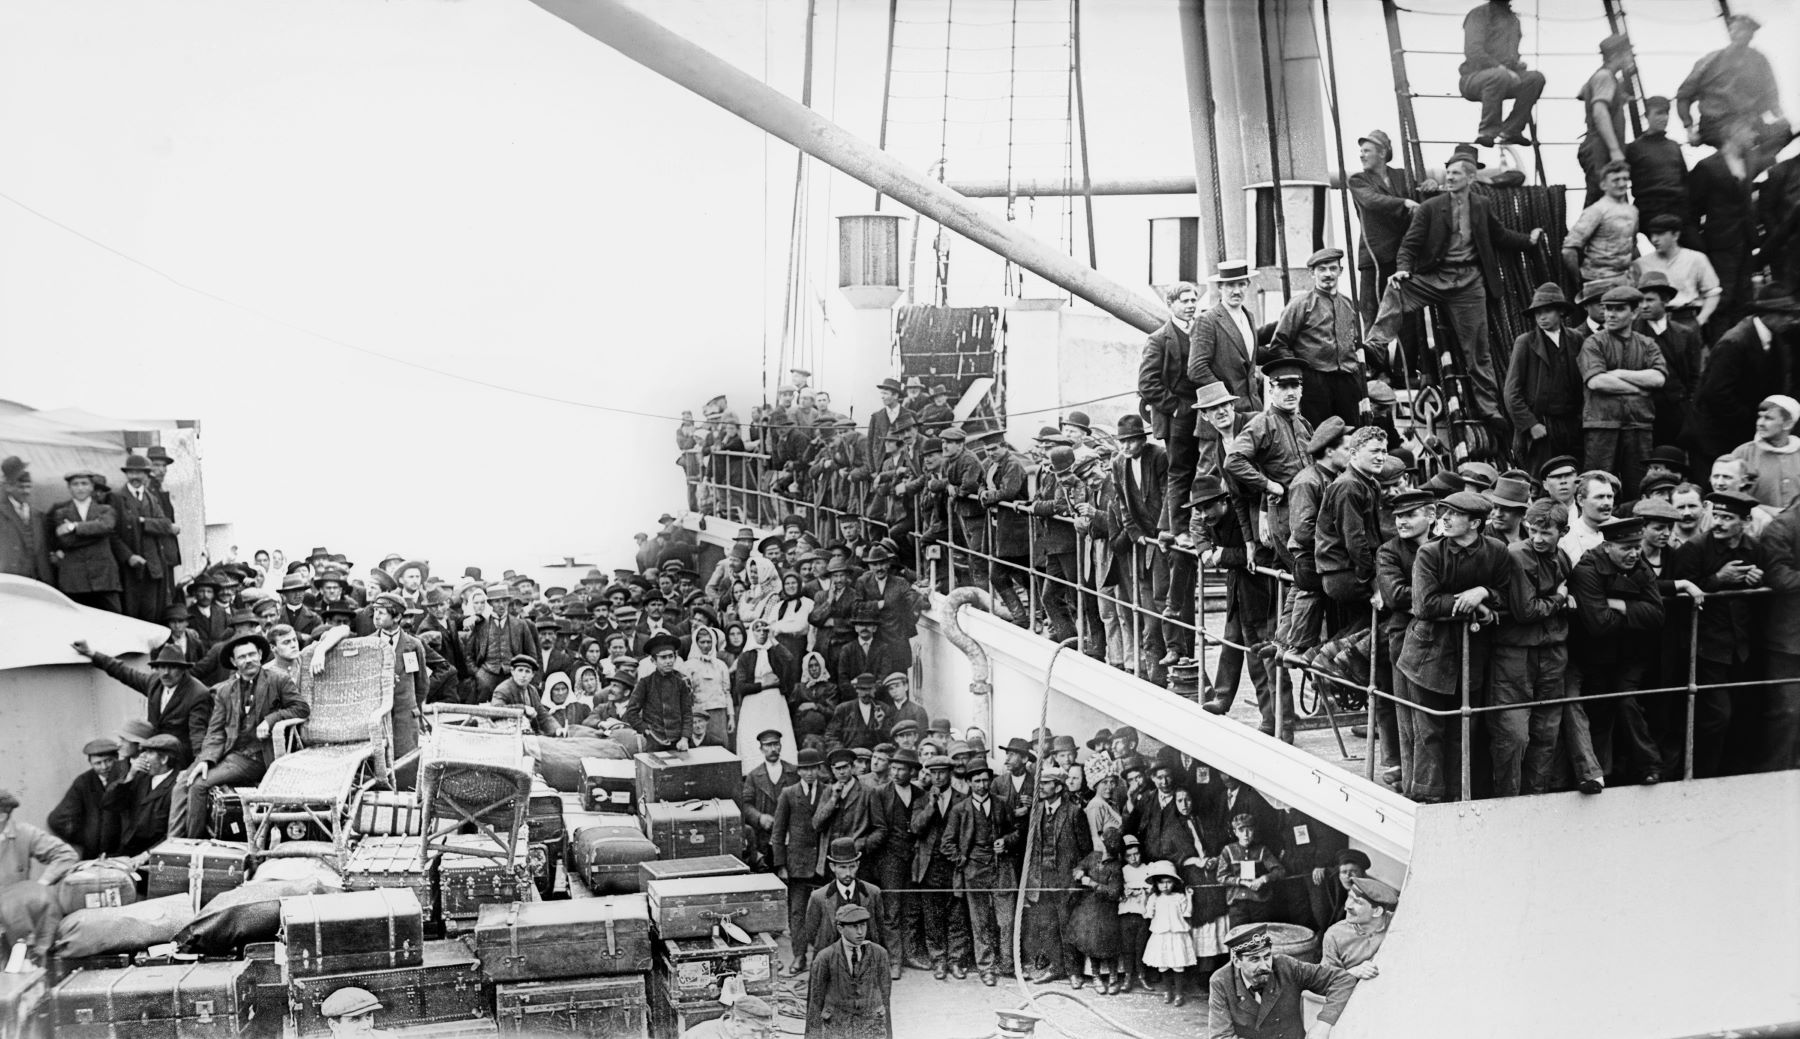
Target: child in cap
x: 1249, y: 869
x: 1134, y: 914
x: 1171, y: 943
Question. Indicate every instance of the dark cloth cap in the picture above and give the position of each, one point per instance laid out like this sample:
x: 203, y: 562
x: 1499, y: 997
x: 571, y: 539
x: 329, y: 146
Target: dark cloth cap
x: 1324, y: 256
x: 1656, y: 509
x: 523, y: 660
x: 1469, y: 504
x: 1622, y: 528
x: 1555, y: 465
x: 1736, y: 502
x: 1328, y: 433
x: 1664, y: 222
x: 1622, y: 294
x: 1406, y: 501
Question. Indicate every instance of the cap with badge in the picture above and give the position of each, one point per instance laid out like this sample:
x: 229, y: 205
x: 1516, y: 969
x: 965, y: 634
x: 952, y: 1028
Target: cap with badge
x: 1249, y: 939
x: 1621, y: 529
x: 1735, y: 502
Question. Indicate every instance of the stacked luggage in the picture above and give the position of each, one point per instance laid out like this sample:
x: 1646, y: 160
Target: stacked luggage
x: 606, y: 922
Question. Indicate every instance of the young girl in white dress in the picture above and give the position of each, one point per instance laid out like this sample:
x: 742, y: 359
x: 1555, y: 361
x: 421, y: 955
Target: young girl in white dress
x: 1171, y: 944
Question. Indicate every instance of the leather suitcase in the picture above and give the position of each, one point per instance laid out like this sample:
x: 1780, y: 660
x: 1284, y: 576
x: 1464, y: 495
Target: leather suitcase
x: 691, y: 907
x: 607, y: 857
x: 446, y: 988
x: 465, y: 883
x: 351, y: 931
x: 695, y: 969
x: 22, y: 999
x: 692, y: 829
x: 227, y: 809
x: 544, y: 814
x: 685, y: 775
x: 704, y: 866
x: 178, y: 1001
x: 388, y: 813
x: 612, y: 1007
x: 391, y: 862
x: 671, y: 1018
x: 177, y: 863
x: 97, y: 884
x: 579, y: 938
x: 609, y: 785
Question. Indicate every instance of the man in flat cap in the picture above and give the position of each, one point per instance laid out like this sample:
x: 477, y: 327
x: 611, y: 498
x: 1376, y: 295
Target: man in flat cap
x: 1724, y: 558
x: 1258, y: 995
x: 80, y: 818
x: 1613, y: 644
x: 24, y: 539
x: 85, y: 540
x: 1351, y: 943
x: 142, y: 797
x: 1621, y: 370
x: 1732, y: 84
x: 849, y: 991
x: 350, y: 1012
x: 1463, y: 577
x: 1605, y: 98
x: 1322, y: 329
x: 1448, y: 258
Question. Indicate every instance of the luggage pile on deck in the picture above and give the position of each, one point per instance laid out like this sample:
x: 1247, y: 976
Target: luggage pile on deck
x: 624, y: 910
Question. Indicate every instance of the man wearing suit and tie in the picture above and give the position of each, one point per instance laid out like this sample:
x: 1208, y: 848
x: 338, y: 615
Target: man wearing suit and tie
x: 850, y: 990
x: 843, y: 889
x: 24, y: 540
x: 143, y: 530
x: 864, y: 721
x: 246, y: 707
x: 180, y: 706
x: 794, y: 845
x: 1165, y: 388
x: 1224, y: 341
x: 412, y: 681
x: 141, y: 799
x: 86, y: 538
x: 761, y: 796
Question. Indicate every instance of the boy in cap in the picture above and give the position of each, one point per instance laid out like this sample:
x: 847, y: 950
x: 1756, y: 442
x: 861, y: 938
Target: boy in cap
x: 80, y: 818
x: 1531, y: 659
x: 1322, y: 330
x: 661, y: 707
x: 350, y: 1012
x: 1614, y: 643
x: 1459, y: 579
x: 1621, y: 370
x: 849, y: 990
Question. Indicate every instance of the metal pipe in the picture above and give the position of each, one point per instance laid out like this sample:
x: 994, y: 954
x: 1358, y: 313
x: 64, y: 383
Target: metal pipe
x: 644, y: 41
x: 1197, y: 60
x: 1087, y: 181
x: 887, y: 85
x: 1281, y: 249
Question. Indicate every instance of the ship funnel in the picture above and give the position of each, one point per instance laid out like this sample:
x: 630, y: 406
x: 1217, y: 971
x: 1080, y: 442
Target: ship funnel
x: 981, y: 681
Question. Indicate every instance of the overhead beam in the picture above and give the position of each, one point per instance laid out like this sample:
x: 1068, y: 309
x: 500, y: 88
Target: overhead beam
x: 1180, y: 184
x: 684, y: 62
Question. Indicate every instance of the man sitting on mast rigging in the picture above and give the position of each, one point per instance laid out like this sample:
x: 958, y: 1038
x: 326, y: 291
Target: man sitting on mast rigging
x: 1491, y: 72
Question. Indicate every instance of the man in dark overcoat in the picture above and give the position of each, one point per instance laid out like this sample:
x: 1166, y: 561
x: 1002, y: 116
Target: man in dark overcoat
x: 86, y: 538
x: 848, y: 994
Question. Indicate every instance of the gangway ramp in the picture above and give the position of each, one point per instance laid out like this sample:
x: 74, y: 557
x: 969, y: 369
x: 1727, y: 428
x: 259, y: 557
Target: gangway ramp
x: 1645, y: 912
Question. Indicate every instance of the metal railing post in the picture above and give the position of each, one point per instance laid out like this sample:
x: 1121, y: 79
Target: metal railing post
x: 1693, y: 687
x: 1372, y: 737
x: 1467, y: 721
x: 1137, y: 616
x: 1204, y: 685
x: 1280, y: 664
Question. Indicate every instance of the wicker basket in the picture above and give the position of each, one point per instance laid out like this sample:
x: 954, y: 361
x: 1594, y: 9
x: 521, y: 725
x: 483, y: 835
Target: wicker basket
x: 358, y: 678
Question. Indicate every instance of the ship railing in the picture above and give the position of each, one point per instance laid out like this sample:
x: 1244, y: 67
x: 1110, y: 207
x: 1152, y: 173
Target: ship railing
x: 949, y: 539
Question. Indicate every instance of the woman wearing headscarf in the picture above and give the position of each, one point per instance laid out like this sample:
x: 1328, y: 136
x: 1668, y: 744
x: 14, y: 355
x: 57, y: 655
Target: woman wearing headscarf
x: 737, y: 639
x: 764, y: 676
x: 788, y: 615
x: 762, y: 580
x: 711, y: 680
x: 814, y: 697
x: 554, y: 703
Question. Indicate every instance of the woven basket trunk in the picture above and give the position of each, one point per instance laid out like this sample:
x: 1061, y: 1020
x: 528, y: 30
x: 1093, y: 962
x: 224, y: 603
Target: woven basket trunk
x: 358, y: 677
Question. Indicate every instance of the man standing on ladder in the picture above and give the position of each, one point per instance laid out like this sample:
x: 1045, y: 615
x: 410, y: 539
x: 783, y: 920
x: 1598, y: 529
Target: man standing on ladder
x: 1491, y: 72
x: 1447, y: 259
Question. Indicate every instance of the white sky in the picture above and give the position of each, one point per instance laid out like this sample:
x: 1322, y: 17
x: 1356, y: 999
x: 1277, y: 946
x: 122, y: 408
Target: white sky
x: 474, y: 186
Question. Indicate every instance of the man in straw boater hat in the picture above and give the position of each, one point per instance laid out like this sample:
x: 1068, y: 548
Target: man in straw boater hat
x: 1448, y: 259
x: 1258, y: 995
x: 1544, y: 388
x: 245, y: 708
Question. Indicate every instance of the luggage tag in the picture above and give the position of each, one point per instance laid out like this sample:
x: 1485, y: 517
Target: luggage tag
x: 1246, y: 870
x: 410, y: 661
x: 1302, y: 835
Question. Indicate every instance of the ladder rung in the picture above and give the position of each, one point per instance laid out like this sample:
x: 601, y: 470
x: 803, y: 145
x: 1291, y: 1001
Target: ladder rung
x: 1459, y: 97
x: 1540, y: 144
